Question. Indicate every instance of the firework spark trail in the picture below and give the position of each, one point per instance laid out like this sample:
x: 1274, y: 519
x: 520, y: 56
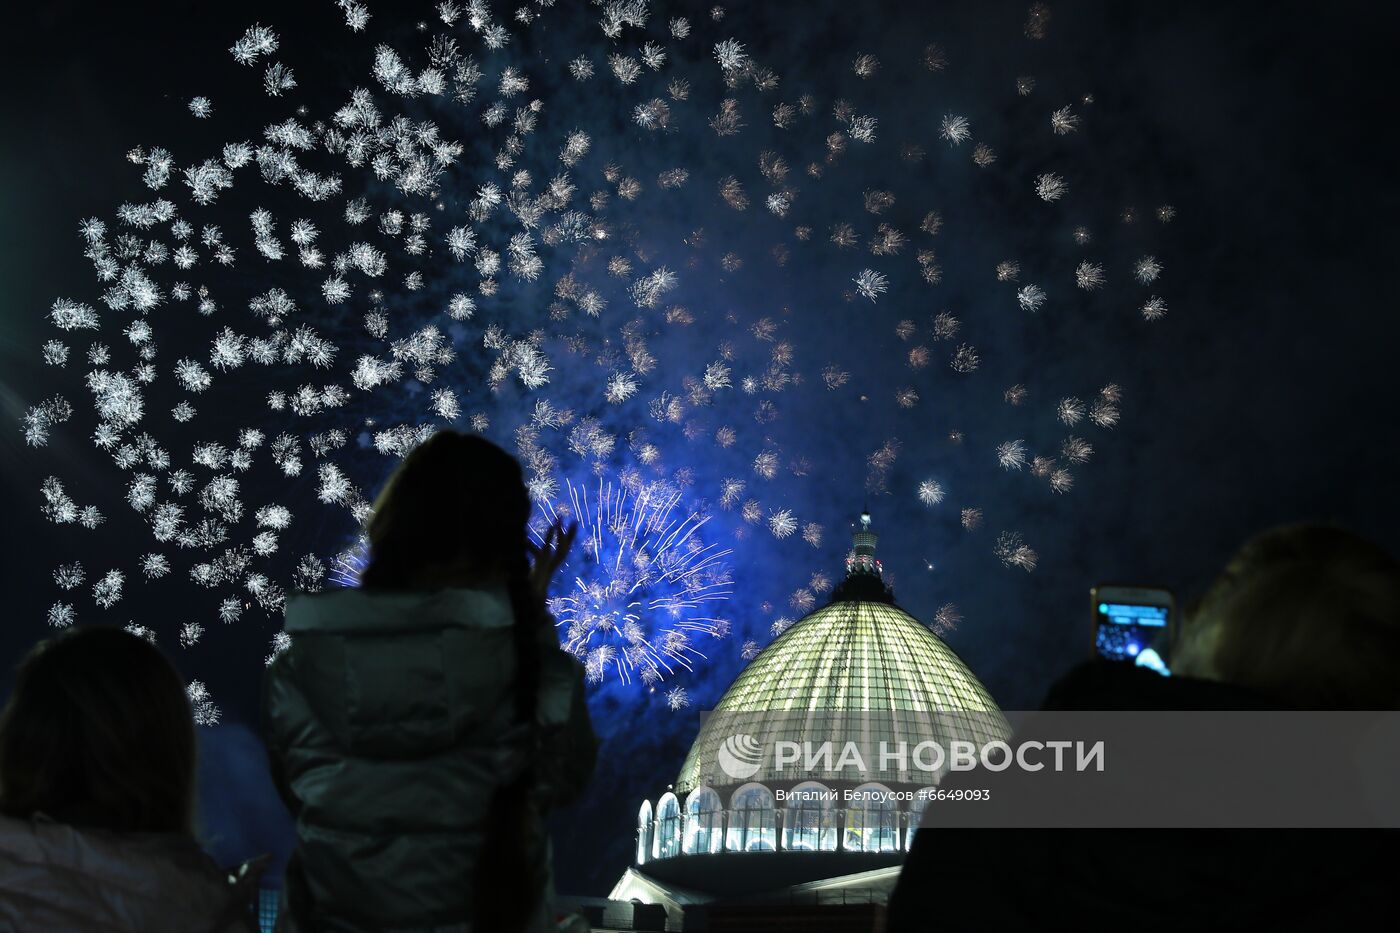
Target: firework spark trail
x: 643, y: 582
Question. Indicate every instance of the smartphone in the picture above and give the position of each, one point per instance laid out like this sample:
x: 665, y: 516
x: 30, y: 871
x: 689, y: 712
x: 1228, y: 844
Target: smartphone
x: 1134, y: 624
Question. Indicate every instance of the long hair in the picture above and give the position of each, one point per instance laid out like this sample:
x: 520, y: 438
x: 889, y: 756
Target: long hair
x: 1308, y: 614
x: 456, y: 509
x: 457, y: 499
x: 98, y: 734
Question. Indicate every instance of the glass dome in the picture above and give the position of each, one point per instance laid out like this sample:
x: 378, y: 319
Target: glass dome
x: 855, y: 669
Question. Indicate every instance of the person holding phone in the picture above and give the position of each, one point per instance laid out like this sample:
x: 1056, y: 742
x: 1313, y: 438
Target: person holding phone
x: 421, y: 726
x: 1303, y: 617
x: 1134, y: 623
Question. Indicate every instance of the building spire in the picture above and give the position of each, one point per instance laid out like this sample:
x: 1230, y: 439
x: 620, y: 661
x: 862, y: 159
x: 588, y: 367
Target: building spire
x: 864, y: 581
x: 862, y: 556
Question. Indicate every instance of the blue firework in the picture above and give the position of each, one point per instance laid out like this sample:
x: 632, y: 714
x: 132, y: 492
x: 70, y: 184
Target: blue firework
x: 640, y: 593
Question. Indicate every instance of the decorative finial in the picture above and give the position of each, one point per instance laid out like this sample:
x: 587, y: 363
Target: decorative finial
x: 863, y: 571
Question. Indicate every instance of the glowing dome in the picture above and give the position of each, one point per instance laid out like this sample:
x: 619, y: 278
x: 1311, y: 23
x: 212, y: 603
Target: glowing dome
x: 860, y: 671
x: 851, y: 656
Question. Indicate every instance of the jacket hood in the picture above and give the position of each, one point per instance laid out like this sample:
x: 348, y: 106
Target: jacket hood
x: 402, y: 674
x: 351, y: 611
x: 55, y: 876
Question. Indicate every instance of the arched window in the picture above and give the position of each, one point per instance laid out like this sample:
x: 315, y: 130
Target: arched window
x: 752, y: 823
x: 644, y: 832
x: 668, y: 828
x: 916, y: 815
x: 704, y: 817
x: 872, y: 820
x: 810, y: 823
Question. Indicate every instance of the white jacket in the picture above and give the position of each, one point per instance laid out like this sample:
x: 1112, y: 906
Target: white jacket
x: 390, y: 725
x: 54, y: 877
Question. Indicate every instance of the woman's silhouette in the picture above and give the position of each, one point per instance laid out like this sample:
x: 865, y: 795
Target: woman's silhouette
x: 420, y: 726
x: 97, y: 789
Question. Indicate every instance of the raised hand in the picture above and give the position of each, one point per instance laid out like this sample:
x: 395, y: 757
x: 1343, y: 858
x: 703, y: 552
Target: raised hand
x: 550, y: 554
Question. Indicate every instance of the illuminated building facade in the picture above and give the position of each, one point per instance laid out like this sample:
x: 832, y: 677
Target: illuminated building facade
x: 858, y: 669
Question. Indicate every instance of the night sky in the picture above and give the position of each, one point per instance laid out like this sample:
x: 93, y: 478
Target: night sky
x: 1262, y: 397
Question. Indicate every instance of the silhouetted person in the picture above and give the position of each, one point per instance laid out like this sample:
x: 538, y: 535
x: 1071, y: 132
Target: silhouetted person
x: 1307, y: 615
x: 97, y: 788
x: 1304, y: 618
x: 420, y: 726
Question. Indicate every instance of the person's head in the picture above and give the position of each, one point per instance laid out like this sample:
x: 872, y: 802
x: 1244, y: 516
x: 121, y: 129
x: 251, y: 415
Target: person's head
x: 454, y: 510
x: 98, y: 733
x: 1306, y: 613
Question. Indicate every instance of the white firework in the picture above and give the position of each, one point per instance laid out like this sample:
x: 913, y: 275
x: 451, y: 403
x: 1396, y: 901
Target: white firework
x: 69, y: 576
x: 871, y: 284
x: 62, y: 615
x: 1063, y: 121
x: 1089, y: 276
x: 140, y: 631
x: 281, y: 641
x: 1154, y: 309
x: 107, y: 592
x: 1012, y: 551
x: 717, y: 376
x: 1076, y: 449
x: 278, y: 79
x: 1012, y: 455
x: 731, y: 55
x: 930, y: 492
x: 946, y: 619
x: 955, y: 129
x: 356, y: 14
x: 620, y: 387
x: 965, y: 359
x: 1031, y: 297
x: 1050, y: 187
x: 1146, y: 269
x: 206, y: 712
x: 256, y: 42
x: 751, y: 511
x: 1070, y: 411
x: 1105, y: 414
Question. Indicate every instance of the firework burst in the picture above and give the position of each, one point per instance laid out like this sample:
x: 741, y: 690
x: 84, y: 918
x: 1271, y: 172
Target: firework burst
x: 641, y: 588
